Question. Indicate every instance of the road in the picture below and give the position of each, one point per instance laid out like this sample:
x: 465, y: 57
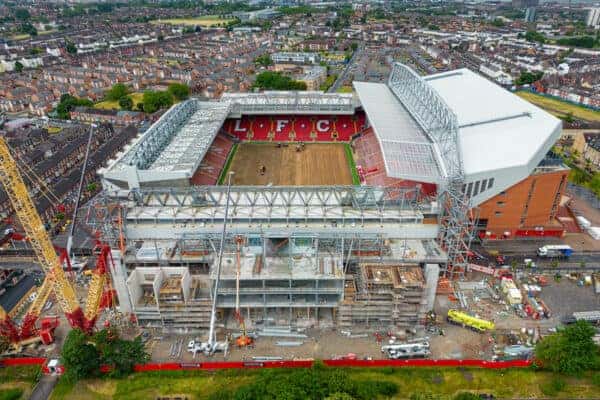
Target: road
x: 42, y: 390
x: 342, y: 76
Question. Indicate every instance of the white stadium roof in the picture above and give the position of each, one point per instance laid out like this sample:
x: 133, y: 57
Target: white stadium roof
x: 407, y: 150
x: 497, y: 129
x: 501, y: 137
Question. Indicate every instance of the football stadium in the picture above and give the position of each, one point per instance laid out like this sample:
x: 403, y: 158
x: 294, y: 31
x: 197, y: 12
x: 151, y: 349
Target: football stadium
x: 326, y: 210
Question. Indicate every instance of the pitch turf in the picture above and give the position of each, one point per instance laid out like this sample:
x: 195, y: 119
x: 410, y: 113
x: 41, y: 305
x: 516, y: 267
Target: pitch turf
x: 318, y: 164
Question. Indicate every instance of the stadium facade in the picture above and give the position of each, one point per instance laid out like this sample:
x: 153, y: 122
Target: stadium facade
x: 427, y: 150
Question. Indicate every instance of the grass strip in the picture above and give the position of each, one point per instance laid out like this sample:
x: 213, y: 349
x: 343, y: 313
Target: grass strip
x: 225, y: 169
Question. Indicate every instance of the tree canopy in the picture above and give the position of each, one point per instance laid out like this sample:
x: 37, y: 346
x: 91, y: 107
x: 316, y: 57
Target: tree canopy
x: 527, y: 78
x: 179, y: 91
x: 117, y: 91
x: 263, y: 60
x: 276, y: 81
x: 126, y: 103
x: 82, y: 356
x: 309, y: 383
x: 155, y: 100
x: 570, y: 350
x: 68, y: 102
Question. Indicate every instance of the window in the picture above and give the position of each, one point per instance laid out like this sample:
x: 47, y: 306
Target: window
x: 476, y: 190
x: 469, y: 189
x: 500, y: 203
x: 483, y: 185
x: 498, y: 213
x: 490, y: 183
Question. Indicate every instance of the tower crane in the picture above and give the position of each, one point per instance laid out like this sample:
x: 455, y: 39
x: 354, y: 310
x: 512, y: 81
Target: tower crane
x: 55, y: 280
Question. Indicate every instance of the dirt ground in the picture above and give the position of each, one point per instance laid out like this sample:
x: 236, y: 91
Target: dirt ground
x: 322, y: 344
x: 317, y: 164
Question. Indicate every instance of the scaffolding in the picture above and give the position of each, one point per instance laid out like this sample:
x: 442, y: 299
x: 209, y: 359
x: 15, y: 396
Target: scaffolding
x: 441, y: 125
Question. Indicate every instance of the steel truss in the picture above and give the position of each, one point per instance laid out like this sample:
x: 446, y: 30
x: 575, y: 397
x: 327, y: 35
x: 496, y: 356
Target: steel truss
x: 156, y: 139
x: 441, y: 125
x: 297, y: 102
x: 358, y: 197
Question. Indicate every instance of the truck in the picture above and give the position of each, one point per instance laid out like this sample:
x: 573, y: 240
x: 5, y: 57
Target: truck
x: 555, y: 250
x: 468, y: 321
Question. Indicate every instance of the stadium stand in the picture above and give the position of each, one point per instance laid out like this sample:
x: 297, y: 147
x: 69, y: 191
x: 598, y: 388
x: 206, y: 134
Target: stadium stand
x: 213, y: 162
x: 371, y: 167
x: 296, y: 128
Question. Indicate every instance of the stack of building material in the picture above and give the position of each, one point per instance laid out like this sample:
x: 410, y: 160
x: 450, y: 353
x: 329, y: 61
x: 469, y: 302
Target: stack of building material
x: 513, y: 295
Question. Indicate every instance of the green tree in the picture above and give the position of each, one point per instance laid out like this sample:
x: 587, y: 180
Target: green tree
x: 117, y: 91
x: 354, y: 46
x: 277, y: 81
x: 22, y: 14
x: 264, y: 60
x: 119, y: 354
x: 68, y: 102
x: 180, y: 91
x: 466, y: 396
x: 18, y: 66
x: 28, y: 28
x: 71, y: 48
x: 155, y: 100
x: 126, y: 103
x: 534, y: 36
x: 80, y: 358
x: 570, y: 350
x: 497, y: 22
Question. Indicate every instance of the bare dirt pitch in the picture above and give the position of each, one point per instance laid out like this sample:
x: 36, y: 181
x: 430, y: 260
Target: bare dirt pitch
x: 317, y: 164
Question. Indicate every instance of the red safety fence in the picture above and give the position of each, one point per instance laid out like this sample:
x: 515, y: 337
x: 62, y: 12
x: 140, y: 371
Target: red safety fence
x: 9, y: 362
x: 212, y: 365
x: 428, y: 363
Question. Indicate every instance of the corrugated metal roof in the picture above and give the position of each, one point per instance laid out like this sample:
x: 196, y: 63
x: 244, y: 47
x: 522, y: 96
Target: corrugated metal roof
x: 407, y: 151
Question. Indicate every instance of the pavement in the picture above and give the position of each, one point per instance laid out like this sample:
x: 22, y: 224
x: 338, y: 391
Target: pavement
x: 342, y: 76
x: 44, y: 388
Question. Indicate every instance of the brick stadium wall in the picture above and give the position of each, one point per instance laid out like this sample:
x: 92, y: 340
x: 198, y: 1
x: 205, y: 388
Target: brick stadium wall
x: 532, y: 198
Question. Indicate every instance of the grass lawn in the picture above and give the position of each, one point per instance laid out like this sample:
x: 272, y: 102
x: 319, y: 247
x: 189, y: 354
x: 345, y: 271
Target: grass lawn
x: 114, y: 105
x: 560, y: 108
x: 345, y: 89
x: 205, y: 20
x: 436, y: 384
x: 18, y: 379
x: 20, y: 36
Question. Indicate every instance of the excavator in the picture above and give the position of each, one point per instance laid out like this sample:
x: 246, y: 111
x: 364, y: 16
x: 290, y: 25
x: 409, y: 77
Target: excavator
x: 56, y: 280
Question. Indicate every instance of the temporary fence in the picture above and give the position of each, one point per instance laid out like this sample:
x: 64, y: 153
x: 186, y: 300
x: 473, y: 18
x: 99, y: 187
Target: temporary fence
x: 215, y: 365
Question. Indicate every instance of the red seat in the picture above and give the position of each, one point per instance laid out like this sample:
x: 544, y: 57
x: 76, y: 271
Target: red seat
x: 261, y: 127
x: 281, y: 128
x: 345, y: 127
x: 303, y: 128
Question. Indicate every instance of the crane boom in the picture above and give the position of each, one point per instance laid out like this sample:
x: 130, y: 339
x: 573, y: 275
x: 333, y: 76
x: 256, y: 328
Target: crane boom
x: 40, y: 242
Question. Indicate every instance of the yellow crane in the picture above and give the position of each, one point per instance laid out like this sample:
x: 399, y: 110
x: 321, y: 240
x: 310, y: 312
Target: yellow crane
x: 56, y: 280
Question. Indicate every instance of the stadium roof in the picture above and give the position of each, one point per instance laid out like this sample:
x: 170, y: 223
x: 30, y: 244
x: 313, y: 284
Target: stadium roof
x: 497, y: 129
x: 407, y: 151
x: 285, y: 102
x: 173, y: 147
x: 500, y: 137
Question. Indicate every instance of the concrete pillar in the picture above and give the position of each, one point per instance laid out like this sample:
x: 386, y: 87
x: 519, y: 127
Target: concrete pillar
x: 119, y: 279
x: 432, y: 274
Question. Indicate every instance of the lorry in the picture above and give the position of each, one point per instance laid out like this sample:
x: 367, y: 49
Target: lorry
x: 468, y: 321
x: 555, y: 250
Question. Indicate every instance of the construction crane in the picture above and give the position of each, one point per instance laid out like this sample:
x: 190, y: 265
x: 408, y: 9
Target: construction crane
x: 243, y: 340
x: 52, y: 265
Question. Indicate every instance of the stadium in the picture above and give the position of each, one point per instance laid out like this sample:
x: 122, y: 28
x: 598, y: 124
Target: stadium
x: 325, y: 210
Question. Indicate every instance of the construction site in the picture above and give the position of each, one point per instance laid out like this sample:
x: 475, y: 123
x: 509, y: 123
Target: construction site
x: 218, y: 246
